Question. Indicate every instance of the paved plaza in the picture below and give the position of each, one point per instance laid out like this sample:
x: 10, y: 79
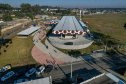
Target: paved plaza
x: 41, y: 54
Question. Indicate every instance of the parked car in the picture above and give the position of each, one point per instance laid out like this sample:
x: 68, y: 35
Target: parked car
x: 30, y: 72
x: 40, y: 70
x: 91, y: 35
x: 20, y: 73
x: 48, y: 68
x: 1, y: 74
x: 20, y: 80
x: 5, y: 68
x: 7, y: 76
x: 68, y: 43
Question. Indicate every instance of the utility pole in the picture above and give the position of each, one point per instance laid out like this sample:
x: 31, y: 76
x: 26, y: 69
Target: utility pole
x: 106, y: 47
x: 71, y: 67
x: 80, y: 15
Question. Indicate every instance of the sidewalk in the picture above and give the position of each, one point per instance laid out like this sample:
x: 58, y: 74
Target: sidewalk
x: 41, y: 57
x: 40, y: 53
x: 66, y: 58
x: 52, y: 52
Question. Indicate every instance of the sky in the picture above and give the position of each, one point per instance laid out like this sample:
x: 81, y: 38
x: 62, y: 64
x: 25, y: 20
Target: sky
x: 71, y: 3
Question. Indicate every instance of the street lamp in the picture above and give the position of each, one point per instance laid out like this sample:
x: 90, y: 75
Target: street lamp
x: 71, y: 66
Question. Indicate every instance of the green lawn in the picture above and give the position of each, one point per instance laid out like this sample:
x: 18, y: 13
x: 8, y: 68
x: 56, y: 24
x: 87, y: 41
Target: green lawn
x: 110, y: 27
x: 47, y: 33
x: 85, y: 51
x: 23, y: 46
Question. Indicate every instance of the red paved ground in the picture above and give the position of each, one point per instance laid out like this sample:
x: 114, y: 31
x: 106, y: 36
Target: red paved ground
x: 40, y: 56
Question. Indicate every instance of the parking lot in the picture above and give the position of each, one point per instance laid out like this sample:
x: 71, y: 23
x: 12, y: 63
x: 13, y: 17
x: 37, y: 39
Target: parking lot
x: 12, y: 79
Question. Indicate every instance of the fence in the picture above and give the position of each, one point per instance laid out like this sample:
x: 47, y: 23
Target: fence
x: 93, y: 78
x: 10, y: 27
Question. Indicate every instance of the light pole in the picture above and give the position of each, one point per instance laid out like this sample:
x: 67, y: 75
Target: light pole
x: 71, y: 66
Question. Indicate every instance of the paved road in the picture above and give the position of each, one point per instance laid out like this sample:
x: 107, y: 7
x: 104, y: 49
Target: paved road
x: 100, y: 65
x: 10, y: 34
x: 88, y: 68
x: 12, y: 31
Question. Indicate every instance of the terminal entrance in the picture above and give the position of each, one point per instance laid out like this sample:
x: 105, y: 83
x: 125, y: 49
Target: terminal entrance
x: 68, y: 36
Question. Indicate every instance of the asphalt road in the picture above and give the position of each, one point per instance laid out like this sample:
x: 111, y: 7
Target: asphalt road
x: 12, y: 31
x: 99, y: 65
x: 92, y: 67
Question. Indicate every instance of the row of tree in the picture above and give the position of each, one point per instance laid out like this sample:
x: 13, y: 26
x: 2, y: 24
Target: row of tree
x: 67, y: 12
x: 25, y: 10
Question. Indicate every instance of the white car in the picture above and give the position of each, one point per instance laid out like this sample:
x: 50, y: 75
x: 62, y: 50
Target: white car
x: 40, y: 70
x: 7, y: 76
x: 20, y: 81
x: 30, y: 72
x: 5, y: 68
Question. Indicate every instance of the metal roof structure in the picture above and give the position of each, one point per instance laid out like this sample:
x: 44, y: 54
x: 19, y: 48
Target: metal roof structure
x: 114, y: 78
x: 28, y: 31
x: 53, y: 21
x: 69, y: 25
x: 83, y: 24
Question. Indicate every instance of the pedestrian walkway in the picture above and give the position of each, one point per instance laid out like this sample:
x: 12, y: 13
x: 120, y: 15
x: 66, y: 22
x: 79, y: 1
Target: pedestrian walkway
x: 66, y: 58
x: 54, y: 53
x: 38, y: 51
x: 42, y: 58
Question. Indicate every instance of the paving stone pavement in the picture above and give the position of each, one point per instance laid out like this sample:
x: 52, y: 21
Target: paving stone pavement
x: 38, y: 51
x: 52, y: 52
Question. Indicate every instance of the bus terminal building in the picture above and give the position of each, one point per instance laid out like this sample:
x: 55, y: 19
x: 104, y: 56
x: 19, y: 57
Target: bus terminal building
x: 69, y: 27
x: 69, y: 34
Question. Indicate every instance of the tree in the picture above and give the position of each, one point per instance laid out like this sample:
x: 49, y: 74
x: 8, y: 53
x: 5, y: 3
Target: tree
x: 125, y: 25
x: 0, y: 30
x: 30, y: 15
x: 19, y: 14
x: 26, y: 8
x: 36, y: 9
x: 58, y: 11
x: 5, y: 8
x: 7, y: 17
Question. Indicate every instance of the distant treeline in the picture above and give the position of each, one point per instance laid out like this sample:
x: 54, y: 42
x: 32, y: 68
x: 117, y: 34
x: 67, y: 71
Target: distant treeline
x: 105, y: 8
x: 50, y: 7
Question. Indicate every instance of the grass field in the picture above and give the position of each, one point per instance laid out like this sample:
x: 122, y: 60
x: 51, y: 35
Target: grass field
x: 109, y: 26
x: 18, y: 52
